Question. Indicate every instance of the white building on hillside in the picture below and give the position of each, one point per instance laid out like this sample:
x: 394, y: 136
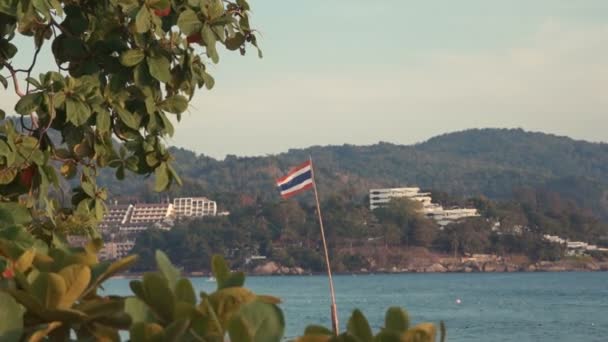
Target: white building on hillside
x: 115, y: 216
x: 574, y: 247
x: 194, y: 207
x: 151, y: 212
x: 447, y: 216
x: 381, y: 197
x: 116, y: 250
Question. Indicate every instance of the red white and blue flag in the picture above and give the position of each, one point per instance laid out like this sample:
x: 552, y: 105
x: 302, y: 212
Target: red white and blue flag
x: 296, y: 181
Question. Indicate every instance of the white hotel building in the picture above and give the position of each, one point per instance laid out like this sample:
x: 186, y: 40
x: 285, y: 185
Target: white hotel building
x: 194, y: 207
x: 381, y: 197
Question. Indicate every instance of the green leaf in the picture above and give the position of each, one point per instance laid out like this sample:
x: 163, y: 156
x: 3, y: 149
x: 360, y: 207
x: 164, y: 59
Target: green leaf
x: 143, y: 21
x: 235, y: 279
x: 208, y: 79
x: 158, y: 295
x: 396, y: 319
x: 159, y: 68
x: 184, y: 291
x: 77, y: 111
x: 103, y: 271
x: 4, y: 83
x: 11, y: 318
x: 389, y: 336
x: 29, y: 103
x: 234, y: 43
x: 359, y: 327
x: 120, y: 172
x: 257, y: 322
x: 13, y: 213
x: 176, y: 104
x: 130, y: 119
x: 174, y: 174
x: 137, y: 287
x: 168, y: 126
x: 215, y: 9
x: 24, y: 262
x: 166, y: 268
x: 103, y: 121
x: 76, y: 21
x: 5, y: 150
x: 7, y: 175
x: 101, y: 307
x: 243, y: 4
x: 9, y: 7
x: 317, y: 330
x: 99, y: 209
x: 138, y: 310
x: 33, y: 82
x: 49, y: 289
x: 175, y: 331
x: 189, y: 23
x: 161, y: 175
x: 88, y: 188
x: 146, y: 332
x: 421, y: 332
x: 210, y: 40
x: 76, y: 279
x: 133, y: 57
x: 159, y: 4
x: 220, y: 270
x: 7, y: 50
x: 57, y: 6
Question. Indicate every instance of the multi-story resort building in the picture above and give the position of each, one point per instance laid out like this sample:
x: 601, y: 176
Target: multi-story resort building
x: 381, y: 197
x: 129, y: 218
x: 122, y: 221
x: 115, y: 216
x: 151, y: 212
x: 443, y: 216
x: 116, y: 250
x: 194, y: 207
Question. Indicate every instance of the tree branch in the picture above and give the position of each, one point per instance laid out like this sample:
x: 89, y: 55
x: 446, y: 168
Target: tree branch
x: 14, y: 77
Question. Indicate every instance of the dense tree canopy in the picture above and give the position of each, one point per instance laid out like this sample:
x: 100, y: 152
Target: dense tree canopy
x: 287, y: 232
x: 124, y: 71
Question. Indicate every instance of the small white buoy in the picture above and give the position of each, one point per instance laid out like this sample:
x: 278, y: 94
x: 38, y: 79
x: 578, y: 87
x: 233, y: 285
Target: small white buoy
x: 458, y: 301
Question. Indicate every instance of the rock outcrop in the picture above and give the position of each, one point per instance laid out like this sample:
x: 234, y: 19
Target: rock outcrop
x: 435, y: 268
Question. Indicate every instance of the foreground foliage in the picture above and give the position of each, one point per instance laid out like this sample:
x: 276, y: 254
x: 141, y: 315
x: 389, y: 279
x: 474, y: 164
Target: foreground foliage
x: 55, y: 293
x: 127, y: 70
x: 396, y: 329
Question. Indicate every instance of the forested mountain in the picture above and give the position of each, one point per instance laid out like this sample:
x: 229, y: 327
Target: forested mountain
x: 491, y: 162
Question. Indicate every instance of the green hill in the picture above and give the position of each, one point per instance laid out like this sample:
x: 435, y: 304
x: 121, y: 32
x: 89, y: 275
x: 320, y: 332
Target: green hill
x: 489, y: 162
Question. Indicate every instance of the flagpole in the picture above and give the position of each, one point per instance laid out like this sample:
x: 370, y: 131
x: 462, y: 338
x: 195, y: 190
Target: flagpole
x: 334, y: 310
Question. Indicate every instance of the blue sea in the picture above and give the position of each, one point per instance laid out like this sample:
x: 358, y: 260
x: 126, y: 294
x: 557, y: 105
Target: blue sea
x: 493, y: 306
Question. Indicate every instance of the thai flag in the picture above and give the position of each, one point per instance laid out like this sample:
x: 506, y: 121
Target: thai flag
x: 297, y: 180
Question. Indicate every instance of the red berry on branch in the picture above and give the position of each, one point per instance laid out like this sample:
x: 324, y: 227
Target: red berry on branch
x: 162, y: 12
x: 194, y: 38
x: 8, y: 273
x: 26, y: 176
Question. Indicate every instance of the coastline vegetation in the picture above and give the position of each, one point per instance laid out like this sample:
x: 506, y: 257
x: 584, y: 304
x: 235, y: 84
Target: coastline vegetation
x: 285, y: 232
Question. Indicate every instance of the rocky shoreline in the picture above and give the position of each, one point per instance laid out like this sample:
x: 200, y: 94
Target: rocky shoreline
x: 273, y: 268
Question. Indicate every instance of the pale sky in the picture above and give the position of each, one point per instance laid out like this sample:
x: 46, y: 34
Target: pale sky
x: 359, y: 72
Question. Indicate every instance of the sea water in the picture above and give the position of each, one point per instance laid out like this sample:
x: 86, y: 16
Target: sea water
x: 475, y: 307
